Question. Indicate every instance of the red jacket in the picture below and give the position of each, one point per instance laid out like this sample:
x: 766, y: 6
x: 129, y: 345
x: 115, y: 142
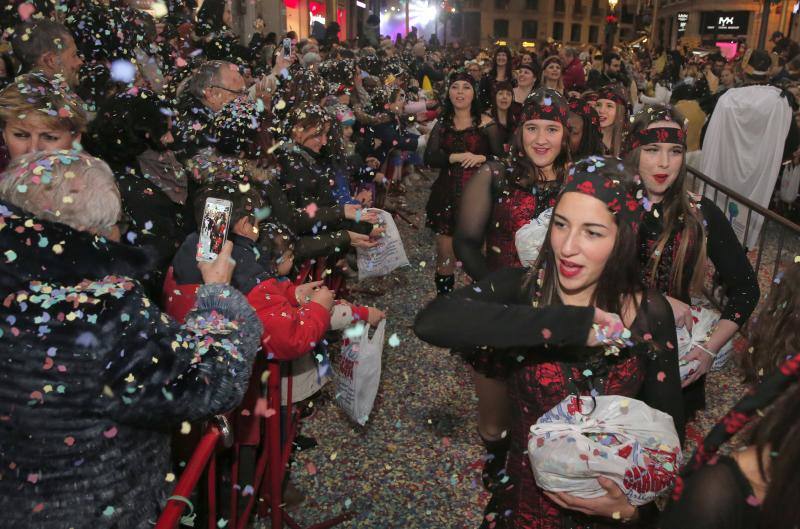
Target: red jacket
x: 290, y: 330
x: 574, y: 77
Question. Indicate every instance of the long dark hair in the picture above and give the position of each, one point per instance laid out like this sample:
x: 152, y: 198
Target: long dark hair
x: 776, y: 332
x: 678, y: 215
x: 620, y: 280
x: 449, y: 111
x: 591, y: 139
x: 776, y: 437
x: 513, y: 111
x: 509, y: 67
x: 522, y: 166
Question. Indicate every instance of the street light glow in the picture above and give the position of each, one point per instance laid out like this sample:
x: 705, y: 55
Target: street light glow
x: 613, y: 4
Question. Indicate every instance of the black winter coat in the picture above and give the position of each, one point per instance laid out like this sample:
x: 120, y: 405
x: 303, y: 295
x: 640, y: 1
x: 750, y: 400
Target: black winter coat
x: 94, y: 377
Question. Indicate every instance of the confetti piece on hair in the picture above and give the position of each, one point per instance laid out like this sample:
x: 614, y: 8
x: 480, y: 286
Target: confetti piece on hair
x: 25, y: 11
x: 123, y: 71
x: 546, y: 334
x: 69, y: 440
x: 186, y: 427
x: 661, y: 376
x: 110, y: 433
x: 11, y: 256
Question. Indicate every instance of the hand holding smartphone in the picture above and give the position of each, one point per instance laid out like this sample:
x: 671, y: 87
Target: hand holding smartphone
x: 213, y: 228
x: 287, y: 48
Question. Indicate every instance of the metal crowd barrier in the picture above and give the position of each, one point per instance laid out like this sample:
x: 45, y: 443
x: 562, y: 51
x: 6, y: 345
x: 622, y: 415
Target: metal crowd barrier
x: 774, y: 230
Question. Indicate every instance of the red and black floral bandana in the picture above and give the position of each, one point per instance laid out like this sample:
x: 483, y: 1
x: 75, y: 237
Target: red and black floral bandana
x: 674, y: 135
x: 552, y: 108
x: 460, y: 75
x: 595, y: 176
x: 585, y: 111
x: 612, y: 95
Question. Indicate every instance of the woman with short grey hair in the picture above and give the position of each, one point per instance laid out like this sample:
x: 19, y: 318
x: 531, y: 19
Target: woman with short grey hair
x: 95, y: 377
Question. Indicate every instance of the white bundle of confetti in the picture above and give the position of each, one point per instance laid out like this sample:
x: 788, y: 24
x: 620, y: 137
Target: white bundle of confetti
x: 620, y: 438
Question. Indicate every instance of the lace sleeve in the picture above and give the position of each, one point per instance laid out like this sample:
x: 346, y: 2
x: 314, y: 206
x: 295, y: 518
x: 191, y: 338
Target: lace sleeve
x: 435, y: 155
x: 493, y: 313
x: 732, y: 265
x: 712, y: 498
x: 474, y: 213
x: 662, y: 385
x: 496, y: 139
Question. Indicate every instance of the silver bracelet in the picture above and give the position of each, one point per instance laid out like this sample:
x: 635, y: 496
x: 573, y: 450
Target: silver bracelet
x: 709, y: 353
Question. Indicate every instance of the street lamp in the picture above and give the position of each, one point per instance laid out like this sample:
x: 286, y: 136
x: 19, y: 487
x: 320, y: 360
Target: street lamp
x: 611, y: 23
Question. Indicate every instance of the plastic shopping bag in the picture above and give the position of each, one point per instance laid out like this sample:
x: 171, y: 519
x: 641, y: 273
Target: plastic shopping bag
x: 357, y: 373
x: 620, y: 438
x: 790, y: 183
x: 388, y: 255
x: 530, y: 237
x: 703, y: 322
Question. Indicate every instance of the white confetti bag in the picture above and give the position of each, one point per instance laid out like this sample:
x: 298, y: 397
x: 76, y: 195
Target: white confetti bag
x: 387, y: 256
x: 357, y: 373
x: 703, y: 322
x: 530, y: 238
x: 622, y: 439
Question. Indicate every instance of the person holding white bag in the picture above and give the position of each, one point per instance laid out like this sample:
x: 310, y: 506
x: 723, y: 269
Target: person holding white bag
x: 587, y: 268
x: 678, y: 231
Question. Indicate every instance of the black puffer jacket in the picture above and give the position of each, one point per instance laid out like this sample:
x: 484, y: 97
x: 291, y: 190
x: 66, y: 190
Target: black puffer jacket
x: 94, y: 377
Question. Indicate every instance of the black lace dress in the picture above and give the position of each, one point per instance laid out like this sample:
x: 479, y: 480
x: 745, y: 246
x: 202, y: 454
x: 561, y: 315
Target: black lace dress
x: 552, y: 362
x: 741, y: 291
x: 442, y: 207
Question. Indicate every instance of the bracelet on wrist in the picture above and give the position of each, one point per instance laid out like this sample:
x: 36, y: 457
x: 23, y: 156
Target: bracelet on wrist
x: 709, y: 353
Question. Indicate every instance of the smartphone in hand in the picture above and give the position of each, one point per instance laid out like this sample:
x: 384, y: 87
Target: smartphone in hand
x: 287, y: 48
x: 213, y: 228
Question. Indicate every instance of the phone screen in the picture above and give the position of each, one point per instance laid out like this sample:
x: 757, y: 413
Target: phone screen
x: 214, y: 228
x: 287, y: 48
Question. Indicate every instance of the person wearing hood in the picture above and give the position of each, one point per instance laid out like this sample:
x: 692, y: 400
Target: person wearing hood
x: 96, y: 377
x: 132, y: 134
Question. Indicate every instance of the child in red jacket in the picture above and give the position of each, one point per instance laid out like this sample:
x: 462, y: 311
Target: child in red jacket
x: 295, y: 318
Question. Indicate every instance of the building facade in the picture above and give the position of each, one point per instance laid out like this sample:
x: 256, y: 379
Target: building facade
x: 299, y: 16
x: 523, y: 22
x: 717, y: 22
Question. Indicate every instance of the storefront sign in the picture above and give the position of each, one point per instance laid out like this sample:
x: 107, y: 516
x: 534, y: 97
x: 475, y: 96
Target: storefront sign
x: 726, y: 22
x: 683, y: 19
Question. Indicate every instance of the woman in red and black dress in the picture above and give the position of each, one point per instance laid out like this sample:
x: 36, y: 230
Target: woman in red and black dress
x: 499, y: 200
x: 540, y: 318
x: 459, y: 144
x: 679, y: 231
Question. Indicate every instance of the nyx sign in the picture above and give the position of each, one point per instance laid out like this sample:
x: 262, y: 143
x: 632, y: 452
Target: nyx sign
x: 732, y: 22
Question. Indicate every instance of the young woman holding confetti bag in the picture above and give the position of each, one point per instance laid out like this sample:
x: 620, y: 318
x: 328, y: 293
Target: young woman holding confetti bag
x: 679, y: 231
x: 587, y: 267
x: 498, y: 201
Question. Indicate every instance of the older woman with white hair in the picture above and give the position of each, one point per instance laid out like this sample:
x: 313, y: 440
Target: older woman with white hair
x: 94, y: 376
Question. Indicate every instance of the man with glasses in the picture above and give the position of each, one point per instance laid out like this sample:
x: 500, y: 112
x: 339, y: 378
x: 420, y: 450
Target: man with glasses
x: 214, y: 84
x: 474, y: 69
